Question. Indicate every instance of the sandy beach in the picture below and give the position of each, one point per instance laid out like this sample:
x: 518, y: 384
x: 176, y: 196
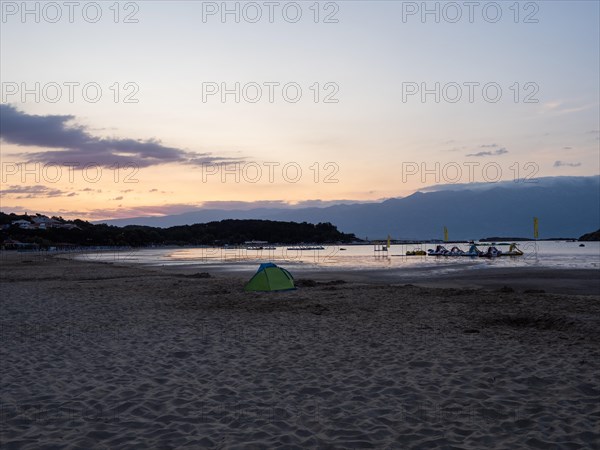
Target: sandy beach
x: 105, y: 356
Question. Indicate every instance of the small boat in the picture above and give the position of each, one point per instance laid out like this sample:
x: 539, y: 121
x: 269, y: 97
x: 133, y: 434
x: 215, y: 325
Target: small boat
x: 473, y: 251
x: 455, y: 251
x: 416, y: 253
x: 512, y: 251
x: 301, y: 249
x: 492, y: 252
x: 582, y: 245
x: 440, y: 250
x: 342, y: 249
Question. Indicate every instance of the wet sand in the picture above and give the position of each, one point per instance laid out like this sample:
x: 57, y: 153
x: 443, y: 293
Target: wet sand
x: 108, y: 356
x: 549, y: 280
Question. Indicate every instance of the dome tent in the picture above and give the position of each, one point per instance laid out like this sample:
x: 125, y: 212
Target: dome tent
x: 269, y: 277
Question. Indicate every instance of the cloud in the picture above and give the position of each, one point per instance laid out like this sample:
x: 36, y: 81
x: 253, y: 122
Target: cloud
x: 549, y: 106
x: 180, y: 208
x: 118, y: 198
x: 280, y: 204
x: 566, y: 164
x: 326, y: 203
x: 75, y: 145
x: 498, y: 152
x: 457, y: 149
x: 240, y: 205
x: 133, y: 211
x: 559, y: 107
x: 37, y: 191
x: 489, y: 146
x: 567, y: 148
x: 553, y: 182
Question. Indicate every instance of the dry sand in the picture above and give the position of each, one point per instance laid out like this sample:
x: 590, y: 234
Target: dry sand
x: 104, y: 356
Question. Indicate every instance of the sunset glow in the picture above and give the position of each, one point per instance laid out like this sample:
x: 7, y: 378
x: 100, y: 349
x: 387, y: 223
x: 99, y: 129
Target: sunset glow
x: 179, y: 106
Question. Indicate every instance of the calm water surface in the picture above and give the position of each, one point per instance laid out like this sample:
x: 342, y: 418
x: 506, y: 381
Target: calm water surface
x: 555, y: 254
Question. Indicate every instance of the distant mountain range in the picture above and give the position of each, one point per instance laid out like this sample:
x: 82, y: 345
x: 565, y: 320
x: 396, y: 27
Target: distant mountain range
x: 565, y: 206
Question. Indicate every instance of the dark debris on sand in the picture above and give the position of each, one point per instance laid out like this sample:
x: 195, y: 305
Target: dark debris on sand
x: 305, y: 282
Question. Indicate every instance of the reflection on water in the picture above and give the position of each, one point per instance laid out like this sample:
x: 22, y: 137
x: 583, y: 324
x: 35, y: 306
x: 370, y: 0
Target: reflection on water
x: 356, y: 257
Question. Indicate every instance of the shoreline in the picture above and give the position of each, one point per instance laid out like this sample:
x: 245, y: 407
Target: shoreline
x: 573, y: 281
x: 567, y: 280
x: 460, y: 274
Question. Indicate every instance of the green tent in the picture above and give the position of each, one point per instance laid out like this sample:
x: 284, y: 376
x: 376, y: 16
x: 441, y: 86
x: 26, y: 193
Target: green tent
x: 269, y: 277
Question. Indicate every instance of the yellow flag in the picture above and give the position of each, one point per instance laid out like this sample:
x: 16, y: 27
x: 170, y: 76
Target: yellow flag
x: 388, y: 241
x: 445, y: 234
x: 535, y: 227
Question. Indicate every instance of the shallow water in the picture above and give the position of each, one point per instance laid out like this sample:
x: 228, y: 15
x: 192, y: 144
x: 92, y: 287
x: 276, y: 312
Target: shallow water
x: 554, y: 254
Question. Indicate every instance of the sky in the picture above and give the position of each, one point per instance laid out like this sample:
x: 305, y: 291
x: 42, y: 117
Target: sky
x: 123, y: 109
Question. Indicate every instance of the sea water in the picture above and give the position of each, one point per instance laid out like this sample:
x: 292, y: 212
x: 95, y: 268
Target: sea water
x: 544, y: 254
